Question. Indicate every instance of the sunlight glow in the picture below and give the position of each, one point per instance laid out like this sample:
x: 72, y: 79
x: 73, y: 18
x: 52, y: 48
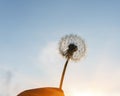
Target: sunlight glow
x: 88, y: 94
x: 83, y: 94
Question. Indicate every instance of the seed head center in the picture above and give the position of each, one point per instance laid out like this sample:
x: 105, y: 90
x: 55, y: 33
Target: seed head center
x: 71, y: 49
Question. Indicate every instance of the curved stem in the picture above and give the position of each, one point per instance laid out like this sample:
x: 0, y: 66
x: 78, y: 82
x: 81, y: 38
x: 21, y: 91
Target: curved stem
x: 63, y: 74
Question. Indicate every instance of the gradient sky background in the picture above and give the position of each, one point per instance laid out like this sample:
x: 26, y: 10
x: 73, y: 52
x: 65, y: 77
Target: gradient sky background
x: 30, y: 31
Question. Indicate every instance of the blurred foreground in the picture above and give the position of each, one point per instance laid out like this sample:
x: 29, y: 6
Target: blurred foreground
x: 43, y: 92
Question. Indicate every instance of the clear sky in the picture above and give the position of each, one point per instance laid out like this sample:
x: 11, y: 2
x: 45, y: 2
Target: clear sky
x: 30, y: 31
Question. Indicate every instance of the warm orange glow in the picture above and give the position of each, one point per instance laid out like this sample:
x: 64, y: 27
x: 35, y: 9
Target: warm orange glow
x: 43, y: 92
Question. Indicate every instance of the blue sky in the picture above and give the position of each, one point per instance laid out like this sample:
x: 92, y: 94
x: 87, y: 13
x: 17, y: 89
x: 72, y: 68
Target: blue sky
x: 29, y: 34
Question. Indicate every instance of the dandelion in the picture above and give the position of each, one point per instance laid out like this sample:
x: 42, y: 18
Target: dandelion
x: 71, y: 47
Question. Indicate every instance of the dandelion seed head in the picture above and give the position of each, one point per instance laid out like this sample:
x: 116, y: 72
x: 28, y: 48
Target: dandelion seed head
x: 73, y: 47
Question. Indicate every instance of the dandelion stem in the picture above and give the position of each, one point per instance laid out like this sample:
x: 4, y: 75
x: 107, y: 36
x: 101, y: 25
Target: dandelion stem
x: 63, y: 73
